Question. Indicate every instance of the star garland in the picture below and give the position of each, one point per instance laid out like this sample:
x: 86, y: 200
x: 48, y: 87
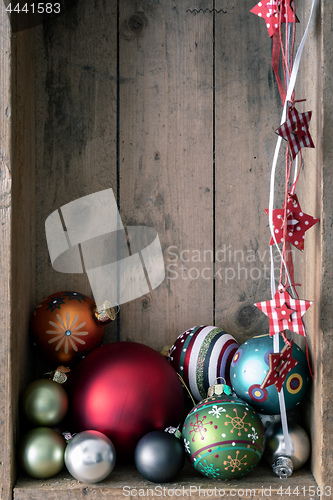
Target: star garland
x: 289, y: 223
x: 280, y: 364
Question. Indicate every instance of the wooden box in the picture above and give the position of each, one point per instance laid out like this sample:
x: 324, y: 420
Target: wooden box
x: 172, y: 104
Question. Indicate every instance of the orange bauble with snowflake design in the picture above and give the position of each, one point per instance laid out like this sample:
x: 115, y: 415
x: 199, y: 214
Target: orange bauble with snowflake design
x: 65, y: 328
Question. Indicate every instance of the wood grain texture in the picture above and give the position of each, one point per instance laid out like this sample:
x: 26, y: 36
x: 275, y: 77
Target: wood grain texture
x: 126, y: 482
x: 247, y: 112
x: 308, y: 264
x: 76, y: 123
x: 180, y: 124
x: 166, y: 160
x: 23, y: 205
x: 7, y: 465
x: 323, y: 388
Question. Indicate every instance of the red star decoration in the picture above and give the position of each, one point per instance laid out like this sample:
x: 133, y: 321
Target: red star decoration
x: 284, y: 312
x: 269, y: 10
x: 292, y: 321
x: 297, y: 223
x: 295, y: 130
x: 280, y: 364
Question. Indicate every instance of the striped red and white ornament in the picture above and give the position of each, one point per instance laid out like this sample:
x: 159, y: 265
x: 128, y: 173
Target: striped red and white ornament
x: 201, y: 355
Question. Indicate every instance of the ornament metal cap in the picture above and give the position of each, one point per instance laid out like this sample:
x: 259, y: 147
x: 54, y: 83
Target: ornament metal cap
x: 105, y: 313
x: 174, y: 430
x: 218, y: 389
x: 59, y: 375
x: 283, y: 467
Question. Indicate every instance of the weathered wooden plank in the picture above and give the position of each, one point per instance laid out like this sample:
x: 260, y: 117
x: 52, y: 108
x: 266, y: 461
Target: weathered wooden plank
x: 323, y: 400
x: 125, y: 482
x: 23, y: 237
x: 308, y: 263
x: 76, y: 123
x: 247, y: 111
x: 6, y: 422
x: 166, y: 161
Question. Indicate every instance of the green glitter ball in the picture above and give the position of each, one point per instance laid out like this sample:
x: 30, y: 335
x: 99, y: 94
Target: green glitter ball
x: 223, y: 437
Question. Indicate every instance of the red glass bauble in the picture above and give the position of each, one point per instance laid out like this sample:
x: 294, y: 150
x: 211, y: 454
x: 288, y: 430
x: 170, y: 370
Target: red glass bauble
x: 65, y: 328
x: 125, y: 390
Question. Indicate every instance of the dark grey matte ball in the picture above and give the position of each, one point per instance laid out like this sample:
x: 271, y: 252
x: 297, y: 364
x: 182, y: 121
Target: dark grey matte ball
x: 159, y: 456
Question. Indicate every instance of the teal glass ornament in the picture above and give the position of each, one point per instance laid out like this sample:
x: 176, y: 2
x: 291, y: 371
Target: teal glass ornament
x: 223, y: 436
x: 249, y: 367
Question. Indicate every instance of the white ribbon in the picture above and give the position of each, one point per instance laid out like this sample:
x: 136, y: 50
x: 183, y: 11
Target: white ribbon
x: 276, y: 347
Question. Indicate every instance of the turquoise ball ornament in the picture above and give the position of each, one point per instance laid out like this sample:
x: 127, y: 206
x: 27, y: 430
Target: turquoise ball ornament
x: 248, y: 370
x: 201, y: 355
x: 224, y: 437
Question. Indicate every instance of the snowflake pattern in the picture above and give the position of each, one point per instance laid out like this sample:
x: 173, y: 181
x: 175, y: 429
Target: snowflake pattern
x: 75, y: 296
x: 209, y: 470
x: 235, y: 463
x: 237, y: 422
x: 67, y: 333
x: 216, y: 411
x: 198, y: 427
x: 55, y: 303
x: 186, y: 445
x: 254, y: 435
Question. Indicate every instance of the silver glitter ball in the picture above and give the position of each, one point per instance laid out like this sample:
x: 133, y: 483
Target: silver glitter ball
x: 90, y: 456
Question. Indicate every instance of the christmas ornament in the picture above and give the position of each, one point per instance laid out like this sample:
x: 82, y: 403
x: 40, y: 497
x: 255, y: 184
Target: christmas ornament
x: 41, y: 452
x: 284, y: 312
x: 295, y: 130
x: 273, y: 10
x: 268, y: 420
x: 223, y: 436
x: 44, y: 402
x: 90, y: 456
x: 280, y: 365
x: 201, y: 355
x: 275, y: 450
x: 159, y: 456
x: 250, y: 366
x: 65, y: 327
x: 125, y: 390
x: 297, y: 223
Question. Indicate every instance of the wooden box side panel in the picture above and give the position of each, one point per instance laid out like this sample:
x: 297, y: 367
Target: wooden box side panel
x: 324, y: 399
x: 17, y: 232
x: 6, y: 415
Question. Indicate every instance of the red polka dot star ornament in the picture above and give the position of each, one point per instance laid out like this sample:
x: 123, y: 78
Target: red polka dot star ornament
x: 65, y: 327
x: 223, y: 436
x: 273, y: 10
x: 125, y: 390
x: 297, y: 223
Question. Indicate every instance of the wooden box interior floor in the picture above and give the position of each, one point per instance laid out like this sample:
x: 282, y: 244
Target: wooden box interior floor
x: 126, y: 482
